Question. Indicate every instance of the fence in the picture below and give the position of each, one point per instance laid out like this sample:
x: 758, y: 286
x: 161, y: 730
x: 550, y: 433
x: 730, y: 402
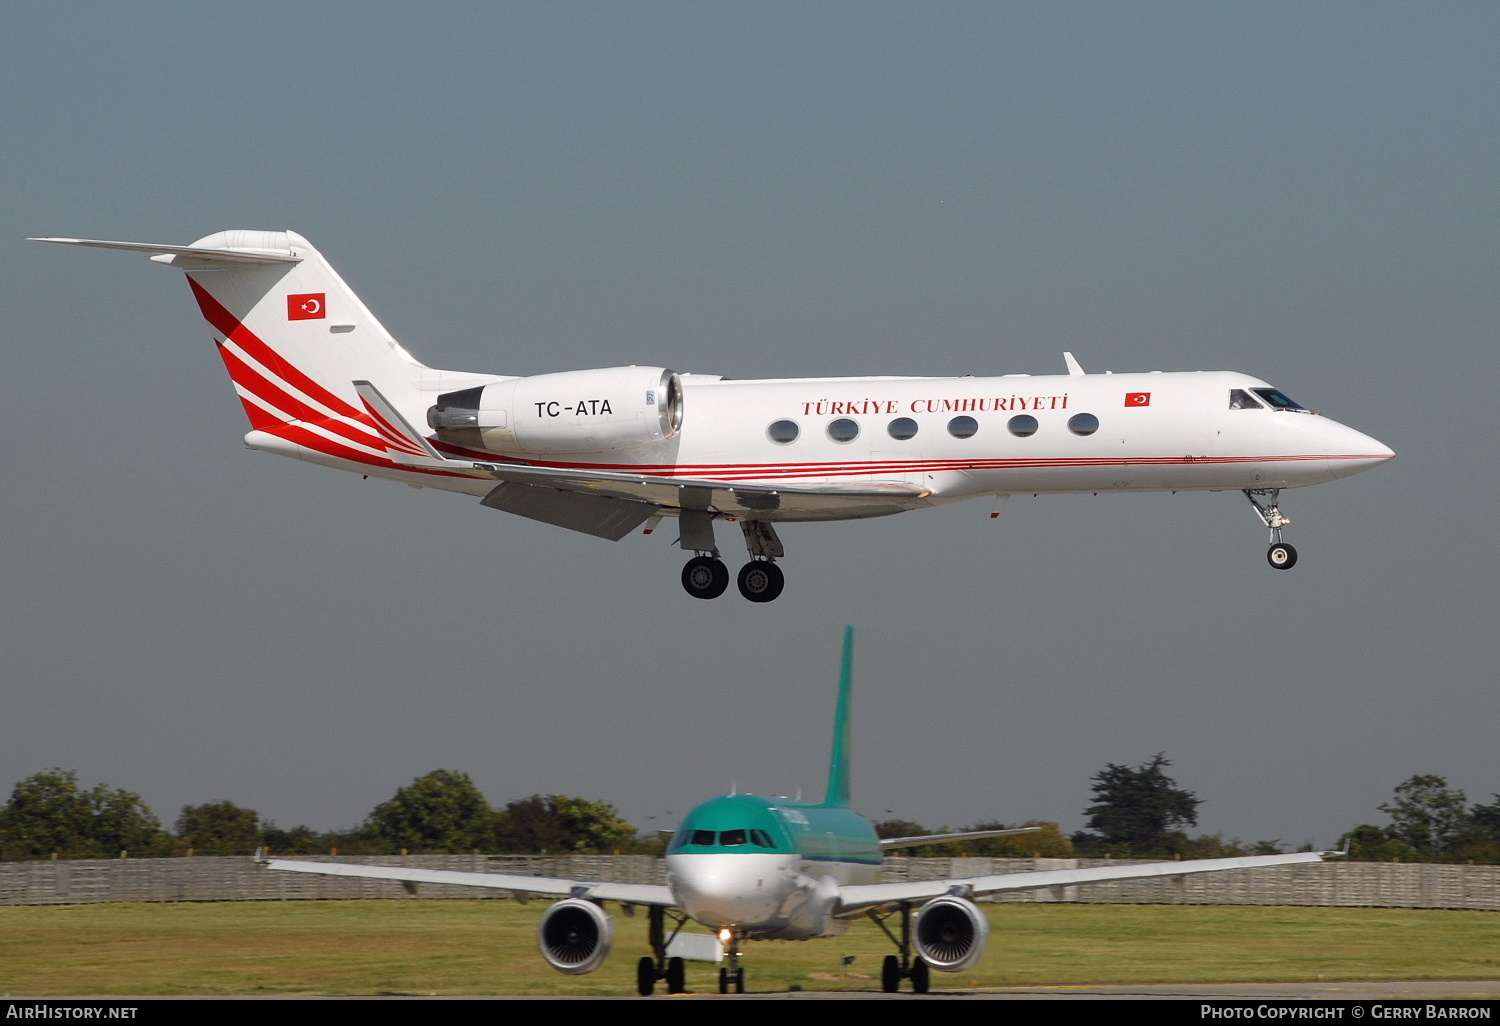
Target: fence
x: 1372, y: 884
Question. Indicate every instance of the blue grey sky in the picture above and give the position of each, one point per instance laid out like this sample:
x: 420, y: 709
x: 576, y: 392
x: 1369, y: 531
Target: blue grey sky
x: 1304, y: 192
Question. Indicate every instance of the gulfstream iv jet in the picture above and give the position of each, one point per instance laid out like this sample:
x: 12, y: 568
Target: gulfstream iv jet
x: 751, y: 867
x: 610, y: 450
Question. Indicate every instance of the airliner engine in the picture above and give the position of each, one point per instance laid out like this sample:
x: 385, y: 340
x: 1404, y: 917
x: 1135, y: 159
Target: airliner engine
x: 951, y: 933
x: 606, y: 410
x: 575, y: 936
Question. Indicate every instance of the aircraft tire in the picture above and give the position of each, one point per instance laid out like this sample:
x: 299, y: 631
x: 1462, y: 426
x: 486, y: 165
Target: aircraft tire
x: 645, y: 975
x: 705, y: 577
x: 1282, y: 556
x: 890, y: 974
x: 921, y: 977
x: 739, y: 980
x: 676, y: 976
x: 761, y: 580
x: 723, y: 981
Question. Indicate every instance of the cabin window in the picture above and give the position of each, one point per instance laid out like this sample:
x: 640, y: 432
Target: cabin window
x: 783, y: 431
x: 761, y: 839
x: 703, y: 838
x: 1023, y: 426
x: 963, y: 427
x: 843, y: 430
x: 1083, y: 423
x: 1279, y: 400
x: 1239, y: 399
x: 902, y: 428
x: 732, y: 838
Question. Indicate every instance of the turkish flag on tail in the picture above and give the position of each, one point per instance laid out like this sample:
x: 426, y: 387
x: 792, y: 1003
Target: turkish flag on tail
x: 310, y: 306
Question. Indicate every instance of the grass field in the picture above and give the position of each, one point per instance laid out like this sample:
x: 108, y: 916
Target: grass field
x: 489, y: 947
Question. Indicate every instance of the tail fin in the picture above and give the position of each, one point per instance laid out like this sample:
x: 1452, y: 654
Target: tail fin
x: 838, y: 766
x: 294, y: 339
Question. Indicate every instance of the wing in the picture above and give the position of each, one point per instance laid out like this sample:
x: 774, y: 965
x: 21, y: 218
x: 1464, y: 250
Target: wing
x: 886, y: 843
x: 857, y: 898
x: 629, y: 894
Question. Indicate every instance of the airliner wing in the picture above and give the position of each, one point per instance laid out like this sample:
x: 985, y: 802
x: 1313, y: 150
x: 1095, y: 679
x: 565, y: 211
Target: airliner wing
x: 859, y: 897
x: 630, y: 894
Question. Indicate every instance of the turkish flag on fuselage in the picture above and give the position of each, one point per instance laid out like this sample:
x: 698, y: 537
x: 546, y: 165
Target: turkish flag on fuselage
x: 1137, y: 398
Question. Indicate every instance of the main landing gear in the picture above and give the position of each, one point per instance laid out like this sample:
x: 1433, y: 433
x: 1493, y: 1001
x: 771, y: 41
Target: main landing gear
x: 671, y: 971
x: 903, y: 967
x: 1280, y: 555
x: 706, y: 577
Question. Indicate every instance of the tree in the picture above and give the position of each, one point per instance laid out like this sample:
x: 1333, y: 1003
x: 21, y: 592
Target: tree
x: 1136, y: 810
x: 442, y: 811
x: 558, y: 823
x: 1046, y: 843
x: 1428, y: 815
x: 48, y: 813
x: 218, y: 828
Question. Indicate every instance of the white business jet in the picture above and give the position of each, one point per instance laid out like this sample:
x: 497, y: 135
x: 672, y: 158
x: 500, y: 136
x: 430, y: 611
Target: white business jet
x: 758, y: 868
x: 607, y: 451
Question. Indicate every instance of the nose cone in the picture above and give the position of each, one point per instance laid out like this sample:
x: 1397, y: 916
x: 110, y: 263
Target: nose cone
x: 1355, y: 451
x: 728, y: 890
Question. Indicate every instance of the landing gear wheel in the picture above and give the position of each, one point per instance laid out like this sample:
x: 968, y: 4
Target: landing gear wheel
x: 705, y: 577
x: 645, y: 975
x: 921, y: 977
x: 739, y: 980
x: 1282, y: 556
x: 761, y: 580
x: 723, y: 981
x: 890, y: 974
x: 676, y: 976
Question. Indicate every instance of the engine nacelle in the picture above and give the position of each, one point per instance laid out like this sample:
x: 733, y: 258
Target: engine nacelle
x: 575, y: 936
x: 951, y: 933
x: 585, y: 411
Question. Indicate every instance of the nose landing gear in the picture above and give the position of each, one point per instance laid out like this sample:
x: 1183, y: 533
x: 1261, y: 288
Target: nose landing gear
x: 732, y: 975
x: 1280, y: 555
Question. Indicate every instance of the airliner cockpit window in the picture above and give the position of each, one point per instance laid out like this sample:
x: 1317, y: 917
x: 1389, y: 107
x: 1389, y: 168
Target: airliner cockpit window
x: 761, y: 839
x: 1239, y: 399
x: 705, y: 838
x: 1279, y: 400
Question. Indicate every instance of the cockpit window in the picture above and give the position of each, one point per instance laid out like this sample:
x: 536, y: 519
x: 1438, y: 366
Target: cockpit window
x: 1279, y: 400
x: 1239, y: 399
x: 761, y: 839
x: 731, y: 838
x: 704, y: 838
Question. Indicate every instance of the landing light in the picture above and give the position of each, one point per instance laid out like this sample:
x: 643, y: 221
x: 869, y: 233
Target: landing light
x: 725, y: 936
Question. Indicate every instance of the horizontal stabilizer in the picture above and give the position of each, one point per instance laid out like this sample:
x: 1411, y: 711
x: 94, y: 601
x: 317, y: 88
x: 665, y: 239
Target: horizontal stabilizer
x: 231, y: 256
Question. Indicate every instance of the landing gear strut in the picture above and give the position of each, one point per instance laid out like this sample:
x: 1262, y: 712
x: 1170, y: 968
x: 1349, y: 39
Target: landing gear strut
x: 670, y: 970
x: 1280, y: 555
x: 733, y: 974
x: 895, y: 969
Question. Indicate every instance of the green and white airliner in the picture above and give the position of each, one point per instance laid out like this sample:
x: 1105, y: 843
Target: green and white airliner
x: 752, y: 867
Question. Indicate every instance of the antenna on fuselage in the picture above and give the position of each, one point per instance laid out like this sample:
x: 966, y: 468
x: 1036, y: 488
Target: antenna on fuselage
x: 838, y: 765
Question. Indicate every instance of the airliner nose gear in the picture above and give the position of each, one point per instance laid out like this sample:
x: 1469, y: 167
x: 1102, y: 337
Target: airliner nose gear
x: 761, y: 580
x: 1265, y: 500
x: 705, y: 577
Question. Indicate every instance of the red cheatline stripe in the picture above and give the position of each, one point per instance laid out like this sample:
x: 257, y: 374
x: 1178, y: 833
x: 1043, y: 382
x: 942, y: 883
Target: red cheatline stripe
x: 291, y: 407
x: 392, y: 434
x: 224, y: 321
x: 312, y: 440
